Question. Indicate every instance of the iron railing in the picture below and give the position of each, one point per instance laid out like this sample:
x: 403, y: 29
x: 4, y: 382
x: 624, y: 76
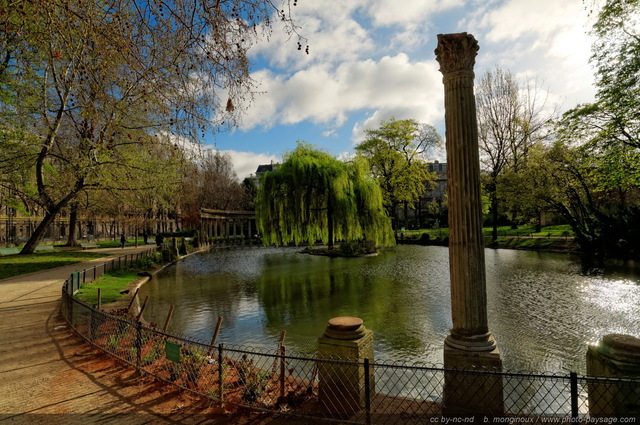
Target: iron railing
x: 346, y: 390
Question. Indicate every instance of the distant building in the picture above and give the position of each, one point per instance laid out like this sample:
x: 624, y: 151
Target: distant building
x: 432, y: 204
x: 261, y: 170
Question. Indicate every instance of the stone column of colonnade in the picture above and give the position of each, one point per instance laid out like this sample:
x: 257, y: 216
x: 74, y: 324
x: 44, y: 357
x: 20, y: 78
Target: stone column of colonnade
x: 470, y: 343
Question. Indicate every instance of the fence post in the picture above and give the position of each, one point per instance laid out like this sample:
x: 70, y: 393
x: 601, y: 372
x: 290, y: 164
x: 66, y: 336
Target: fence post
x: 92, y: 325
x: 138, y: 346
x: 367, y: 391
x: 144, y: 304
x: 94, y: 272
x: 283, y: 353
x: 220, y: 374
x: 135, y: 294
x: 166, y: 322
x: 574, y: 395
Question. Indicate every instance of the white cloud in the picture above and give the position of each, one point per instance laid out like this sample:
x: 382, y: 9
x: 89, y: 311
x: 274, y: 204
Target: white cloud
x: 333, y: 35
x: 246, y: 163
x: 386, y: 12
x: 548, y: 41
x: 392, y: 86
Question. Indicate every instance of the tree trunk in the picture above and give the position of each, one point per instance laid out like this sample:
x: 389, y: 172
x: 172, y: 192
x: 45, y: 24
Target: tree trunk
x: 73, y: 219
x: 494, y: 216
x: 330, y: 224
x: 37, y: 234
x: 406, y: 215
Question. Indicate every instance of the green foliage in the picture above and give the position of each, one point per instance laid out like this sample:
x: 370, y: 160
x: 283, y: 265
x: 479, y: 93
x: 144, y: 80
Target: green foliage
x: 395, y: 153
x: 182, y: 250
x: 608, y: 130
x: 354, y: 248
x: 97, y: 96
x: 255, y: 381
x: 314, y: 197
x: 512, y: 117
x: 113, y: 343
x: 148, y: 262
x: 615, y: 56
x: 194, y: 359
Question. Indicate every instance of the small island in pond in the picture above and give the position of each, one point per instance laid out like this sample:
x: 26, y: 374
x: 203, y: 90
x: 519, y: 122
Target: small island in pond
x: 348, y: 249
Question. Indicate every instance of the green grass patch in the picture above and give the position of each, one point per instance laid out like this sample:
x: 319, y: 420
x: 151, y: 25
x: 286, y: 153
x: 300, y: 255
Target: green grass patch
x: 561, y: 230
x: 116, y: 244
x: 111, y: 284
x: 15, y: 265
x: 503, y: 231
x: 534, y: 243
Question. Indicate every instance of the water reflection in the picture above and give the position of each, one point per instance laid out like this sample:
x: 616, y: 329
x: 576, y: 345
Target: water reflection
x: 542, y: 309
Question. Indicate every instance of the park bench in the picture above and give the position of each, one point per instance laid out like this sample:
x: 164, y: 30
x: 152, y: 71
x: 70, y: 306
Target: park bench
x: 9, y: 251
x: 47, y: 248
x: 88, y: 245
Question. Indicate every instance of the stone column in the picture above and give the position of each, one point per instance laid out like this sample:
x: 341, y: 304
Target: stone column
x: 470, y: 343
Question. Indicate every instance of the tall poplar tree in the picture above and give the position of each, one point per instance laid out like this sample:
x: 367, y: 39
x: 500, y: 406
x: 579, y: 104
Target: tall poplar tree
x: 313, y: 197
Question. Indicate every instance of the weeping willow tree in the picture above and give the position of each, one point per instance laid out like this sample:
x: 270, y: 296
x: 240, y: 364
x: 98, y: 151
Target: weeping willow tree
x: 315, y: 197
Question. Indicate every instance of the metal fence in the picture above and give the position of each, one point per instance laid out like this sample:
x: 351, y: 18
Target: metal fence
x: 345, y: 390
x: 79, y: 278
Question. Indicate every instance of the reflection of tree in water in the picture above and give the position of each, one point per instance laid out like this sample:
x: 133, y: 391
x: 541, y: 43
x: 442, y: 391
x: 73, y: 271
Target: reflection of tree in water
x: 198, y: 300
x: 301, y: 297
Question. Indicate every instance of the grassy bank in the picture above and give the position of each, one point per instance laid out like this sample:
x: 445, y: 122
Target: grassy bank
x: 503, y: 231
x: 113, y: 283
x: 549, y: 238
x: 15, y: 265
x: 535, y: 244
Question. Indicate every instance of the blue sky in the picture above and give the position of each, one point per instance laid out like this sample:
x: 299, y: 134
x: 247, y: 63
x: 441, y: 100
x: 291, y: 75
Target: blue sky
x: 370, y: 60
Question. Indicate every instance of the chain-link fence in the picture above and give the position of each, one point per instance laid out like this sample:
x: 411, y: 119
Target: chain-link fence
x: 345, y: 390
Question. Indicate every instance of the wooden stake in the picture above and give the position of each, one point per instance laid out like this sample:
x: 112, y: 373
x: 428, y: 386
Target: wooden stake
x: 280, y: 342
x: 166, y: 322
x: 215, y: 335
x: 132, y: 299
x: 283, y: 353
x: 144, y: 304
x: 99, y: 298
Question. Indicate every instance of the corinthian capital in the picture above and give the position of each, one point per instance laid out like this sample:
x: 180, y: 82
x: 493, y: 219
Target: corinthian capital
x: 456, y: 52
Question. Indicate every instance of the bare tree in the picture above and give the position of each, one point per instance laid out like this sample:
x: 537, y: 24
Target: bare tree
x: 512, y: 116
x: 93, y: 88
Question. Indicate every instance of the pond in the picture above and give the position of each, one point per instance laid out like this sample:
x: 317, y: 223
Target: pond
x: 543, y: 308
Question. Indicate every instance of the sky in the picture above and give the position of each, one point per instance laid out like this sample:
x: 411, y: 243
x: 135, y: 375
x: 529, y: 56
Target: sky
x: 372, y: 60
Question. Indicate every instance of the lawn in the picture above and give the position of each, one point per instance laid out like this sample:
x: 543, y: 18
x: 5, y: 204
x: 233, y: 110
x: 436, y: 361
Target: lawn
x: 503, y: 231
x: 110, y: 284
x: 15, y: 265
x: 116, y: 243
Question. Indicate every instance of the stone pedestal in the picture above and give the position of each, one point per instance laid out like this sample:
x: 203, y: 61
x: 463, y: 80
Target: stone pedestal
x: 341, y: 389
x: 467, y: 390
x: 617, y: 356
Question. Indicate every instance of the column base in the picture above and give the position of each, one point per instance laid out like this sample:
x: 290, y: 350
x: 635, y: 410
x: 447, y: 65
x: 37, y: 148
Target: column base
x: 475, y: 343
x: 467, y: 390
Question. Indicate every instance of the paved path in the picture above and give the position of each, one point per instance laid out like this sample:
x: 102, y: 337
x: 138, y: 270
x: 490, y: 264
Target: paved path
x: 48, y: 375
